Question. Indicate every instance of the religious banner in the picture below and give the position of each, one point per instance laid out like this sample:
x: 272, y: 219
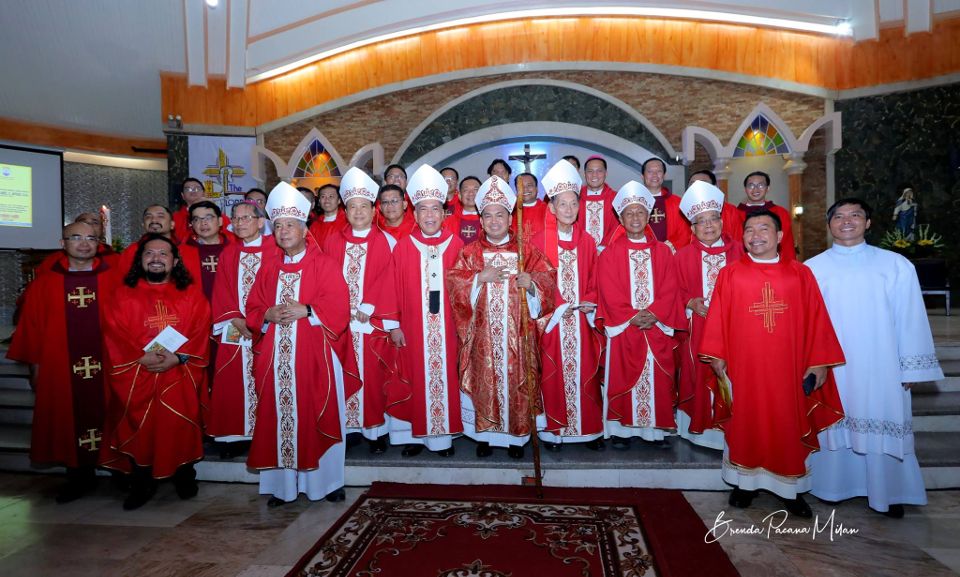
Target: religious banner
x: 222, y: 163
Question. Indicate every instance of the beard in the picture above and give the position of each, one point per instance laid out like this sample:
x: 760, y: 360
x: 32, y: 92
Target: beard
x: 156, y: 277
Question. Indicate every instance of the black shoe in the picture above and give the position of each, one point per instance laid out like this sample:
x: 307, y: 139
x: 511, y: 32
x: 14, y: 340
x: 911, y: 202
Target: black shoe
x: 446, y: 452
x: 484, y: 450
x: 412, y: 450
x: 274, y: 502
x: 741, y: 499
x: 620, y: 443
x: 338, y: 495
x: 798, y: 507
x: 379, y: 446
x: 185, y: 482
x: 553, y: 447
x: 515, y: 451
x: 894, y: 512
x: 69, y: 492
x: 139, y: 496
x: 596, y: 445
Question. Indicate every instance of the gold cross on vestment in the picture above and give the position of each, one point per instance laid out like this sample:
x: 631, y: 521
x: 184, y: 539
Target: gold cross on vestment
x: 86, y: 367
x: 768, y: 307
x: 469, y: 230
x: 210, y: 264
x: 80, y: 296
x: 90, y: 439
x: 657, y: 215
x: 163, y: 318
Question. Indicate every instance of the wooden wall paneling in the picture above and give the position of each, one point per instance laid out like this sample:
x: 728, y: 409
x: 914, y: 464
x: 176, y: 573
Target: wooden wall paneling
x: 429, y: 59
x: 705, y: 47
x: 894, y: 58
x: 56, y: 137
x: 674, y: 51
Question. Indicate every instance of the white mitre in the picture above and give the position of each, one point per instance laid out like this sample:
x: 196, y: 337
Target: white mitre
x: 358, y: 183
x: 495, y: 190
x: 563, y: 177
x: 285, y: 201
x: 633, y: 193
x: 427, y: 184
x: 700, y: 197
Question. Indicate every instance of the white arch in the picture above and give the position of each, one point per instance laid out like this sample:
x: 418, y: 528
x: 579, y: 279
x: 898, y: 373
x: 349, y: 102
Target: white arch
x: 692, y: 135
x: 372, y: 151
x: 291, y: 165
x: 774, y: 119
x: 833, y: 133
x: 536, y: 82
x: 574, y: 132
x: 256, y: 167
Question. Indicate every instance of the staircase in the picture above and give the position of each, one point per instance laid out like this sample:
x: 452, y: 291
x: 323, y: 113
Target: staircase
x: 679, y: 465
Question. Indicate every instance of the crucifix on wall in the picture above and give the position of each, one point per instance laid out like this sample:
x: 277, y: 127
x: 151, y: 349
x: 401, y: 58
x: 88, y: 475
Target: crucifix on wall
x: 526, y: 158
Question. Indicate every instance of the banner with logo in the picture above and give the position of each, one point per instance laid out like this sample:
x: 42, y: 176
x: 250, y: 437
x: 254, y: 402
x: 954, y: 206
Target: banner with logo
x: 222, y: 163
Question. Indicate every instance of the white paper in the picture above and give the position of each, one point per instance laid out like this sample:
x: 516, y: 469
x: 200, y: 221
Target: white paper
x: 168, y: 339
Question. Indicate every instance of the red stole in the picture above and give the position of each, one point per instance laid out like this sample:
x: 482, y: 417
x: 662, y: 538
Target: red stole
x: 479, y: 377
x: 60, y: 330
x: 666, y: 214
x: 159, y: 413
x: 413, y: 390
x: 208, y: 259
x: 627, y: 352
x: 697, y: 379
x: 311, y: 426
x: 466, y: 226
x: 591, y: 209
x: 405, y: 227
x: 769, y: 323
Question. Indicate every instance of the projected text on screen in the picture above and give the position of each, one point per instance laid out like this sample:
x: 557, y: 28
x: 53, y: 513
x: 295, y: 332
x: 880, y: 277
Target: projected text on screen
x: 16, y: 191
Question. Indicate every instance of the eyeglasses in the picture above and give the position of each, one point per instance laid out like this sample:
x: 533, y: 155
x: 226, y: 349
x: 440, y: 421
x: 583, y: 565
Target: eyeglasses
x: 705, y: 221
x: 755, y: 185
x: 78, y: 238
x: 193, y: 189
x: 244, y: 219
x: 390, y: 202
x: 208, y: 218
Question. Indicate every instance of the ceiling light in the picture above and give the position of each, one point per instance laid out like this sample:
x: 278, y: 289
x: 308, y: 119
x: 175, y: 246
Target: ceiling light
x: 841, y: 28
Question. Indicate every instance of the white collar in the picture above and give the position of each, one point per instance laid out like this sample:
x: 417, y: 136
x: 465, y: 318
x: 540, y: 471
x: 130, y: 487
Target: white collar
x: 361, y: 233
x: 500, y: 242
x: 295, y: 258
x: 255, y: 242
x: 773, y: 260
x: 565, y: 236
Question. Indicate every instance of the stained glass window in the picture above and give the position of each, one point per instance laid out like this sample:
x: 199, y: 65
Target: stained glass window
x: 316, y: 162
x: 760, y: 139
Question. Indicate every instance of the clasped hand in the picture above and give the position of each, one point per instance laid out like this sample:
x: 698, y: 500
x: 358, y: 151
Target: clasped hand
x: 502, y: 273
x: 159, y: 361
x: 286, y: 314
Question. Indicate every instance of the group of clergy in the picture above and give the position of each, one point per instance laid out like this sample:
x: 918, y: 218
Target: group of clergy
x: 425, y: 309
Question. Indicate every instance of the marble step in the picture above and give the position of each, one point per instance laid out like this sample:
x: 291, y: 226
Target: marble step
x: 939, y: 412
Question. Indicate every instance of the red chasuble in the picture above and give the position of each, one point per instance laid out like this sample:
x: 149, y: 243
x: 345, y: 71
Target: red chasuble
x: 208, y: 259
x: 181, y: 224
x: 159, y: 413
x: 321, y: 229
x: 640, y: 362
x: 570, y: 352
x: 699, y: 267
x: 534, y: 217
x: 490, y: 332
x: 426, y: 392
x: 188, y: 254
x: 405, y: 227
x: 769, y: 323
x: 60, y: 330
x: 597, y: 216
x: 298, y: 416
x: 466, y: 226
x: 787, y: 250
x: 667, y: 222
x: 366, y: 264
x: 453, y: 205
x: 233, y: 403
x: 732, y: 222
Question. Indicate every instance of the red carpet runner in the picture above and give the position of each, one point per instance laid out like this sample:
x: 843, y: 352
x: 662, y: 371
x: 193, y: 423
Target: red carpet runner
x: 399, y: 530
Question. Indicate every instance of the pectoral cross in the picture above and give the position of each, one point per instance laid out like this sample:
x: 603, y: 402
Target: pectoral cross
x: 90, y: 440
x: 210, y: 263
x: 162, y: 320
x: 768, y: 307
x: 526, y: 158
x: 80, y: 296
x: 657, y: 215
x: 87, y: 368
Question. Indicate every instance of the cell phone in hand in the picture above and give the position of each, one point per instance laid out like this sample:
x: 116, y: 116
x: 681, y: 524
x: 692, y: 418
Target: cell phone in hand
x: 809, y: 383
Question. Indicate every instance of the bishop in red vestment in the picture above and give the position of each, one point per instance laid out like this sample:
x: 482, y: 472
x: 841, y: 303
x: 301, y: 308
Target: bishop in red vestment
x: 570, y: 346
x: 640, y: 312
x: 597, y: 216
x: 233, y: 402
x: 59, y: 335
x: 767, y: 330
x: 364, y: 255
x: 732, y: 217
x: 700, y: 405
x: 298, y: 310
x: 424, y: 393
x: 158, y: 432
x: 755, y: 186
x: 666, y: 220
x: 485, y: 284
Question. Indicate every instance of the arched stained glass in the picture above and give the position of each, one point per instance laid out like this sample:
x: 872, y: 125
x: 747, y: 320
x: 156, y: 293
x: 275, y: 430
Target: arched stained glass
x: 316, y: 162
x: 760, y: 139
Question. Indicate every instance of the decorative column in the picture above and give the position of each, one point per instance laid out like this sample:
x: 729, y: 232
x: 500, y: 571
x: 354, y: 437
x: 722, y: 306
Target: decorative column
x: 722, y: 170
x: 794, y: 169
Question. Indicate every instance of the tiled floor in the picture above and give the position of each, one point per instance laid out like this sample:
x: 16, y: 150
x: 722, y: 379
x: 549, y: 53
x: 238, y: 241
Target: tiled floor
x: 229, y: 531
